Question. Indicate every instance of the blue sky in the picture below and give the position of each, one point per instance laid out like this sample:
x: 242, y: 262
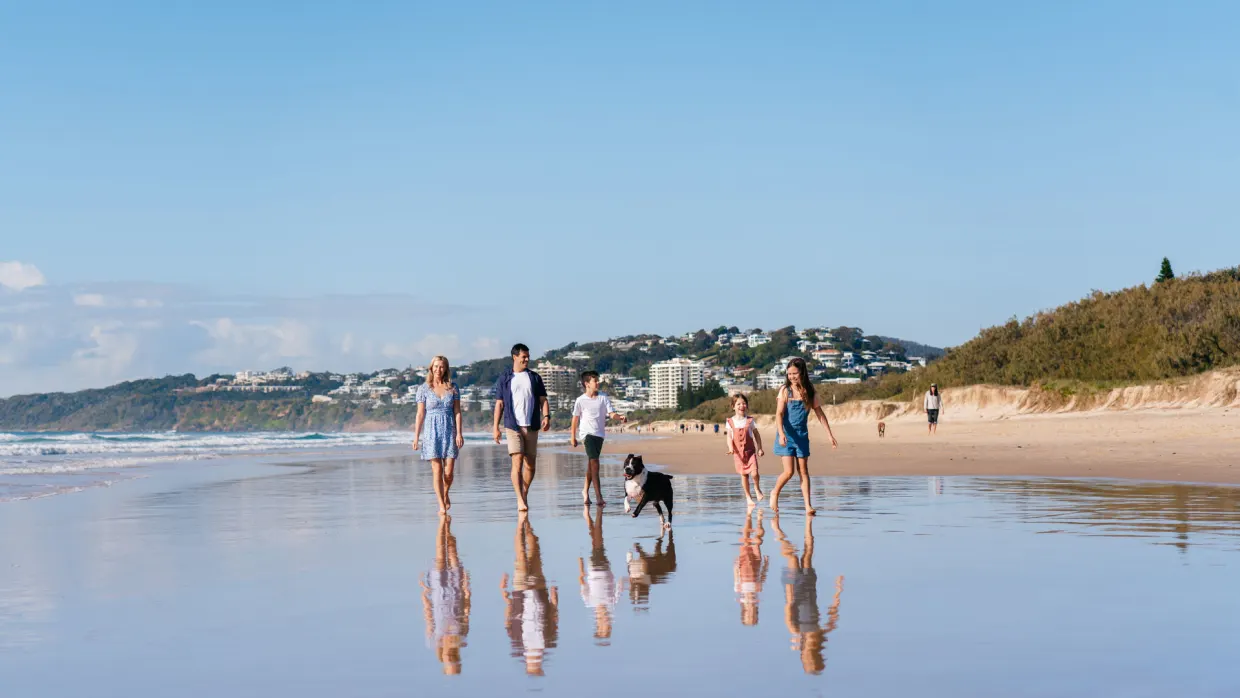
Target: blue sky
x: 227, y: 185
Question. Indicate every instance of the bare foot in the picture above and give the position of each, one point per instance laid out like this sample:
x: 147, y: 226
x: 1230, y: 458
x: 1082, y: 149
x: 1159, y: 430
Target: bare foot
x: 760, y: 495
x: 522, y: 507
x: 774, y: 502
x: 585, y: 498
x: 749, y: 503
x: 809, y: 511
x: 602, y: 503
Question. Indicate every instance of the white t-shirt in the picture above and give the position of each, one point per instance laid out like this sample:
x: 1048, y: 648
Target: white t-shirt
x: 593, y: 412
x: 600, y: 589
x: 522, y: 398
x: 734, y: 425
x: 933, y: 402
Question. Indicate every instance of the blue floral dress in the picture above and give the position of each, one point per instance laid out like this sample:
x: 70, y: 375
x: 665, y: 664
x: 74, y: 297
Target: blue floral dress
x: 439, y: 429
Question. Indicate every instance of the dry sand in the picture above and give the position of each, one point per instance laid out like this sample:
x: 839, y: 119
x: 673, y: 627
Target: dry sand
x: 1186, y: 445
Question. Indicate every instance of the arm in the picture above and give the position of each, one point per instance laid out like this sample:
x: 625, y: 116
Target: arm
x: 546, y: 412
x: 781, y: 404
x: 612, y: 413
x: 822, y: 417
x: 727, y: 431
x: 456, y: 411
x: 499, y: 416
x: 572, y: 437
x: 417, y: 425
x: 757, y: 439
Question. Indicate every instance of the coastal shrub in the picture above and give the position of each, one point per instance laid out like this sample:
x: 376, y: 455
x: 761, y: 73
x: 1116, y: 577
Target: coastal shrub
x: 1178, y: 327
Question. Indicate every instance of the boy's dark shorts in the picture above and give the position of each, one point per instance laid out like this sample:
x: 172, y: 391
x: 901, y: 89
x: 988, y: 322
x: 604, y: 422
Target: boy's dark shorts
x: 594, y: 446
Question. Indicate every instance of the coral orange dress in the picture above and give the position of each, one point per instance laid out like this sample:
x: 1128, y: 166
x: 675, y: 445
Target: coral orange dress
x: 744, y: 451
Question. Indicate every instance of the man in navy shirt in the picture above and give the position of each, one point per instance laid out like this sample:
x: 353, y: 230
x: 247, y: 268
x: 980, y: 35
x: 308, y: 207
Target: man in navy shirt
x: 521, y: 408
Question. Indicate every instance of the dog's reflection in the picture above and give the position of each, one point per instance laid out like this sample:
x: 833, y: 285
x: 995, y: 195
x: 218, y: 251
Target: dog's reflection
x: 749, y: 573
x: 801, y: 601
x: 646, y: 570
x: 446, y: 600
x: 599, y: 588
x: 532, y: 617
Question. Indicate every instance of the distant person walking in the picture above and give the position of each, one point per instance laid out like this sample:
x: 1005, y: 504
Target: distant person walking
x: 795, y: 403
x: 439, y: 413
x: 521, y: 409
x: 933, y: 404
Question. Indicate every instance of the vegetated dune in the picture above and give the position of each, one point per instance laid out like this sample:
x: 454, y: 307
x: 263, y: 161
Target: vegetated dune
x: 1214, y: 389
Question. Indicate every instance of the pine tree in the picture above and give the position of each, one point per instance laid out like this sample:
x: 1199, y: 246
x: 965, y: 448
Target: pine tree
x: 1165, y: 272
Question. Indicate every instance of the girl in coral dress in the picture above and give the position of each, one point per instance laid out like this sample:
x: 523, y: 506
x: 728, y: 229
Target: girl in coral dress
x: 745, y: 445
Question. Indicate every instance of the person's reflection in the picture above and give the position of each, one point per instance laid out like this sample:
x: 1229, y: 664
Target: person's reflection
x: 599, y: 589
x: 532, y: 618
x: 445, y: 600
x: 646, y: 570
x: 801, y: 600
x: 749, y: 574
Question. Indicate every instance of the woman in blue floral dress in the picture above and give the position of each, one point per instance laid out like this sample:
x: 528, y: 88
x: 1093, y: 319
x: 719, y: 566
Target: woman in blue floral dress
x: 439, y: 412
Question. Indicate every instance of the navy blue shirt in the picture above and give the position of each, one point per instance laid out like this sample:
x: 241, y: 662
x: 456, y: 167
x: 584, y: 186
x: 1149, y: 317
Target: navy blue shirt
x: 503, y: 391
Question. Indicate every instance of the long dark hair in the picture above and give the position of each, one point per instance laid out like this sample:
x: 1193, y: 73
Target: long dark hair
x: 806, y: 387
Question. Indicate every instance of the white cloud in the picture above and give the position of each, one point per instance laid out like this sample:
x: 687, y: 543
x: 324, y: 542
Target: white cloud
x: 72, y: 337
x: 113, y: 351
x: 89, y: 300
x: 254, y: 344
x: 19, y: 277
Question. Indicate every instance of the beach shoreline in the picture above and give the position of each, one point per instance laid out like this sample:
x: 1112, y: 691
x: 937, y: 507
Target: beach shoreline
x: 1185, y: 445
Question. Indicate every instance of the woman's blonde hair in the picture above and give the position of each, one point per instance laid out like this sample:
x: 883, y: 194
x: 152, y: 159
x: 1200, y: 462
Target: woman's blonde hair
x: 447, y: 371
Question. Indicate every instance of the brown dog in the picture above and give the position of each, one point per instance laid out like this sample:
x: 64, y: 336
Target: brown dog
x: 882, y: 430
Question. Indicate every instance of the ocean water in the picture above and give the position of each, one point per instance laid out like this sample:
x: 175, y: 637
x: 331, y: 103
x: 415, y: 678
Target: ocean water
x: 334, y: 576
x: 44, y: 464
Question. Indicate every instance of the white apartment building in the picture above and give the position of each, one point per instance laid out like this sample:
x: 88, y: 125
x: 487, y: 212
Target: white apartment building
x: 668, y: 378
x: 758, y: 339
x: 560, y: 380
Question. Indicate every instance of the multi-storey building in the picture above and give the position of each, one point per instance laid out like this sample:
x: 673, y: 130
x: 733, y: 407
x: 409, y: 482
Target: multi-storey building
x: 560, y: 380
x: 668, y: 378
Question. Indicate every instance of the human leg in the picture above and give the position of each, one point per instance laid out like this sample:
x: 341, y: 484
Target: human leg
x: 518, y: 482
x: 449, y: 472
x: 745, y: 489
x: 598, y: 484
x: 803, y: 471
x: 437, y: 483
x: 789, y: 463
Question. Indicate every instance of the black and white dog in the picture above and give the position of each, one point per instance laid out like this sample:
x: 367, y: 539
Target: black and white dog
x: 647, y: 486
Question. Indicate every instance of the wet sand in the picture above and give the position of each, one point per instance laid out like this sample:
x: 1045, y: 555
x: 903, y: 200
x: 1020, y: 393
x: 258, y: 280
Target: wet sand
x: 1180, y: 446
x: 328, y: 576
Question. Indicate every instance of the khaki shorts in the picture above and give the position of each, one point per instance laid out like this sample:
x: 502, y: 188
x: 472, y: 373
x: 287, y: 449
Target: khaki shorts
x: 523, y: 442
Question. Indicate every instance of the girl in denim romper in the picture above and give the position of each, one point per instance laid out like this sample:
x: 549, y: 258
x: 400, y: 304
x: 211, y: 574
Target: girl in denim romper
x: 796, y: 402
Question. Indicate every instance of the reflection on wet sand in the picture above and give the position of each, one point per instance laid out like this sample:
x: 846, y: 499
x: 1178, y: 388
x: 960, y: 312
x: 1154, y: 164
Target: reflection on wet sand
x: 446, y: 601
x: 801, y: 600
x: 533, y: 616
x: 649, y: 569
x: 749, y: 572
x: 1128, y: 509
x: 599, y: 589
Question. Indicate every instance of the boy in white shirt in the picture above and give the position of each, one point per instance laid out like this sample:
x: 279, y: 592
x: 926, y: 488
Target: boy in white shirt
x: 590, y: 414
